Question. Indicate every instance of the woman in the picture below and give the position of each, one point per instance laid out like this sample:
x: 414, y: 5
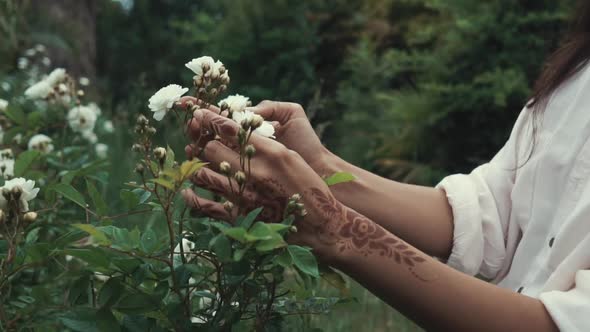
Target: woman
x: 522, y: 220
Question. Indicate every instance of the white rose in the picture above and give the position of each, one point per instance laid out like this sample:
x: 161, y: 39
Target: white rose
x: 84, y: 81
x: 39, y: 90
x: 196, y: 65
x: 266, y: 129
x: 163, y: 100
x: 101, y: 150
x: 236, y: 103
x: 3, y: 104
x: 58, y: 75
x: 29, y: 192
x: 40, y: 142
x: 82, y: 119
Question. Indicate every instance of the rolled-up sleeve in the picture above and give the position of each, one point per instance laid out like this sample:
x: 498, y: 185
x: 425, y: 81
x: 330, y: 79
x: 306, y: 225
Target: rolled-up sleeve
x: 569, y: 309
x: 481, y: 205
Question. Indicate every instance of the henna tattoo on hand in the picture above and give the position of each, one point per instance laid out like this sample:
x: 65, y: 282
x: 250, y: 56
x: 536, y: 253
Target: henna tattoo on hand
x: 358, y: 233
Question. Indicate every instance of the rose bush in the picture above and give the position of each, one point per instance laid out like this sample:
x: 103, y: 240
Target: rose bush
x: 69, y: 261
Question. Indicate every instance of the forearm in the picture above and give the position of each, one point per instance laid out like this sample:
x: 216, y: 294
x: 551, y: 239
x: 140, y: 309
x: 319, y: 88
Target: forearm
x: 432, y: 294
x: 419, y: 215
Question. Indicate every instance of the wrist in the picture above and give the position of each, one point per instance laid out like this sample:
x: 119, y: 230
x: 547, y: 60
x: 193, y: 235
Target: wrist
x: 326, y: 163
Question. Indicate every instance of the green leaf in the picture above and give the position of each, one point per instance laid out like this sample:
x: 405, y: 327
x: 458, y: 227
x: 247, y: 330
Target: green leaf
x: 169, y: 163
x: 164, y: 183
x: 70, y: 193
x: 106, y: 321
x: 81, y: 320
x: 96, y: 233
x: 271, y: 244
x: 304, y: 260
x: 188, y: 168
x: 249, y: 219
x: 149, y: 241
x: 260, y: 231
x: 136, y: 303
x: 93, y: 256
x: 236, y: 233
x: 97, y: 200
x: 221, y: 247
x: 17, y: 115
x: 129, y: 198
x: 340, y: 177
x: 110, y: 292
x: 284, y: 259
x: 24, y: 161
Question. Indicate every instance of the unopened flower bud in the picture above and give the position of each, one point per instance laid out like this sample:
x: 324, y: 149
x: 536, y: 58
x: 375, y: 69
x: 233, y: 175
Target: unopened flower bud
x: 228, y: 206
x: 142, y: 120
x: 225, y: 80
x: 224, y: 106
x: 293, y: 229
x: 206, y: 67
x: 160, y: 153
x: 30, y: 217
x: 198, y: 81
x: 256, y: 121
x: 151, y: 130
x: 303, y: 213
x: 296, y: 197
x: 222, y: 70
x: 17, y: 192
x: 139, y: 169
x: 225, y: 168
x: 213, y: 91
x: 240, y: 177
x: 250, y: 151
x: 80, y: 93
x: 222, y: 88
x: 242, y: 136
x: 137, y: 148
x: 202, y: 91
x: 246, y: 124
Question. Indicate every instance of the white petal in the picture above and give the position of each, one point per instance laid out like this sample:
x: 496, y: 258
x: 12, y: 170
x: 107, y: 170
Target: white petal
x: 266, y: 130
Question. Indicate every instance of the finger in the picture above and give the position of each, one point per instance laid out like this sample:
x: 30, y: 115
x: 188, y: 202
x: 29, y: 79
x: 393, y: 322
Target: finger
x: 226, y: 128
x: 215, y: 152
x: 277, y: 110
x: 215, y: 182
x: 210, y: 208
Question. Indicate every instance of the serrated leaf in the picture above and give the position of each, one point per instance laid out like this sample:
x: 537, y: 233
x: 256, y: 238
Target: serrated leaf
x: 304, y: 260
x: 340, y: 177
x: 70, y: 193
x: 247, y: 221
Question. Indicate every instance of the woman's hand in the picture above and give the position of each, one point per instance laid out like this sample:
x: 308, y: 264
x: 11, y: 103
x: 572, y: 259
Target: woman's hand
x: 276, y: 174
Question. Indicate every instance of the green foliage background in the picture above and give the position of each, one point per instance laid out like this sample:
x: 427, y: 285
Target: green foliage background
x: 411, y: 89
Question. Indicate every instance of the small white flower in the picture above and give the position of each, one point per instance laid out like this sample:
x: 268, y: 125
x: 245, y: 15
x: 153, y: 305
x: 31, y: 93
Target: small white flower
x: 236, y: 103
x: 40, y: 48
x: 95, y: 108
x: 163, y: 100
x: 22, y: 63
x: 102, y: 150
x: 84, y: 81
x: 39, y: 90
x: 58, y: 75
x: 30, y: 52
x: 266, y: 129
x: 3, y: 104
x: 82, y: 119
x: 90, y: 136
x: 18, y: 138
x: 46, y: 61
x: 40, y: 142
x: 29, y: 192
x: 62, y: 88
x: 108, y: 126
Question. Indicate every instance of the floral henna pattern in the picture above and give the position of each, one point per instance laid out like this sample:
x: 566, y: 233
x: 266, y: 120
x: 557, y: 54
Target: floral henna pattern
x: 360, y: 234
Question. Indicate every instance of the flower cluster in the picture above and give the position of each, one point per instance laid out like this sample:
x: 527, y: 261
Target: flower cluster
x: 19, y: 192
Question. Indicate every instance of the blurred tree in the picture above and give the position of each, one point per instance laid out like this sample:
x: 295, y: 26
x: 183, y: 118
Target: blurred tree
x: 445, y: 97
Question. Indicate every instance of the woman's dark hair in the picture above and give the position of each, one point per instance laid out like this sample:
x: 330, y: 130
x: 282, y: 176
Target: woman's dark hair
x: 567, y: 61
x: 572, y: 55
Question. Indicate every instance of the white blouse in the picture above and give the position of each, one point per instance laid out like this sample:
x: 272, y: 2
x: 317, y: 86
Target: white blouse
x: 526, y: 224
